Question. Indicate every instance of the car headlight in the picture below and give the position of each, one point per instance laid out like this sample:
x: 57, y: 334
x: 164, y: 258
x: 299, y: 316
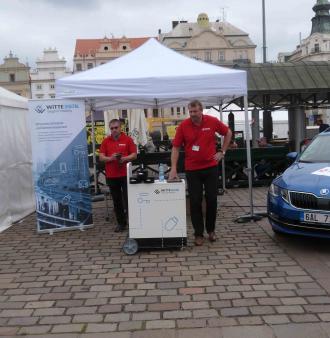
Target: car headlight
x: 285, y: 195
x: 276, y: 191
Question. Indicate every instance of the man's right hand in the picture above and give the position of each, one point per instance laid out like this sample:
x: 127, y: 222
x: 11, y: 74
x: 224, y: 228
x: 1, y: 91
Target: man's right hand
x: 113, y: 157
x: 173, y: 175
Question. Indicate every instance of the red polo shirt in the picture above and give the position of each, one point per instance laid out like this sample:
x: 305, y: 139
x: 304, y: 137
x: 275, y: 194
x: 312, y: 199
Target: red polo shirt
x: 123, y: 145
x: 199, y: 141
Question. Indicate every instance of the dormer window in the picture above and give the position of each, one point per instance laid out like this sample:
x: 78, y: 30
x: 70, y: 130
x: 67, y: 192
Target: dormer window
x: 124, y: 47
x: 106, y: 48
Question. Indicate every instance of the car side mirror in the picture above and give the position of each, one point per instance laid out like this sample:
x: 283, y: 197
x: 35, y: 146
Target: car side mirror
x: 292, y: 156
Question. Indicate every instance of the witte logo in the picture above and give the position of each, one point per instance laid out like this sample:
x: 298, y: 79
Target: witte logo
x: 157, y: 191
x: 324, y: 192
x: 39, y: 109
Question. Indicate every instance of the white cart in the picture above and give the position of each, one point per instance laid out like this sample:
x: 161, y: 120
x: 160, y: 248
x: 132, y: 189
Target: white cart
x: 157, y: 215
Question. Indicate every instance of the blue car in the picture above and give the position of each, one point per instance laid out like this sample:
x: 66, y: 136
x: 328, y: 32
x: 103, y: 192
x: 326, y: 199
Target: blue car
x: 298, y: 201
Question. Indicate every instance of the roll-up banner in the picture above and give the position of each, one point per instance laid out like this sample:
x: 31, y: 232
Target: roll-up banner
x: 60, y: 165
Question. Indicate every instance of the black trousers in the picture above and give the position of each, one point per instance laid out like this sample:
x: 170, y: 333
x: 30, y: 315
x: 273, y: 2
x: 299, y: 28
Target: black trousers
x: 198, y: 181
x: 118, y: 190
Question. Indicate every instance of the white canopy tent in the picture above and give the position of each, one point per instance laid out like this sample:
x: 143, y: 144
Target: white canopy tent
x: 156, y: 76
x: 16, y: 185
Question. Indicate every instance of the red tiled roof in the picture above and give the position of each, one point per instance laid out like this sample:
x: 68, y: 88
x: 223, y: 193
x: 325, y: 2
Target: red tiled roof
x: 88, y: 46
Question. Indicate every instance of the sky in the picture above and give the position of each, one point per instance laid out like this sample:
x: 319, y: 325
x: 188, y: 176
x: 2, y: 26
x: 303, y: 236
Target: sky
x: 27, y: 27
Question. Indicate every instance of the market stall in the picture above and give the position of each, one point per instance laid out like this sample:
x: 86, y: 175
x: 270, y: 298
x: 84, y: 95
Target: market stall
x: 154, y: 76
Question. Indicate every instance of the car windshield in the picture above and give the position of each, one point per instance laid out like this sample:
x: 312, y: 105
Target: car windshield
x: 318, y: 150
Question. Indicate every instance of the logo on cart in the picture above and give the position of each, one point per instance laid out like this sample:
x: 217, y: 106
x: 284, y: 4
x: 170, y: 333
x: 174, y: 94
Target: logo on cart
x: 166, y: 191
x: 39, y: 109
x: 324, y: 192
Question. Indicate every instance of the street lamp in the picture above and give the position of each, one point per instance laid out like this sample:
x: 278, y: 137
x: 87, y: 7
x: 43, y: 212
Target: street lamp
x: 264, y: 48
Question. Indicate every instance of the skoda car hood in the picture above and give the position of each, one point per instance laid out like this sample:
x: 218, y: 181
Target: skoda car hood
x: 306, y: 177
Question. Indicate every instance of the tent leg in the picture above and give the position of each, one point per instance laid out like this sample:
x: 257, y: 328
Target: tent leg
x: 250, y: 216
x: 223, y: 159
x: 94, y: 154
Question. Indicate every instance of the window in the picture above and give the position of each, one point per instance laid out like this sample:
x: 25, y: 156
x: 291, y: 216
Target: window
x: 124, y: 47
x: 52, y: 86
x: 208, y: 56
x: 11, y: 77
x: 155, y: 112
x: 221, y: 55
x: 106, y: 48
x: 178, y: 110
x: 124, y: 114
x: 78, y: 67
x: 172, y: 111
x: 145, y: 112
x: 184, y: 110
x: 89, y: 65
x: 63, y: 168
x: 195, y: 55
x: 317, y: 48
x: 52, y: 96
x: 39, y: 86
x: 40, y: 96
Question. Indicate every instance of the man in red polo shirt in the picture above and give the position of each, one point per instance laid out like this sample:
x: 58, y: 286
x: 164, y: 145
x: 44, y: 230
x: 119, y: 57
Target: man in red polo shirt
x: 197, y: 135
x: 116, y: 150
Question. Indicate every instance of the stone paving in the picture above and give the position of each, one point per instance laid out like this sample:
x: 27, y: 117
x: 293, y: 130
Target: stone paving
x: 81, y: 284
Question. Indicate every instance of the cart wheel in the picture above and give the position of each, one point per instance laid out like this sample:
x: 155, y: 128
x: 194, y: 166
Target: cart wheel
x: 130, y: 246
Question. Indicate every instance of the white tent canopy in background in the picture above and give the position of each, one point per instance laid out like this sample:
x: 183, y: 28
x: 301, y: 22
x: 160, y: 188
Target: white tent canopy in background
x: 153, y: 76
x: 16, y: 185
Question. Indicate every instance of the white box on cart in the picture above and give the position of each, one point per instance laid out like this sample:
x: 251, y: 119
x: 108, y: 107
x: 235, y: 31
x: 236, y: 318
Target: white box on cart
x: 157, y: 210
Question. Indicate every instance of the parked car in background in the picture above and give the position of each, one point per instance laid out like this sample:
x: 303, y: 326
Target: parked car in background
x: 299, y: 199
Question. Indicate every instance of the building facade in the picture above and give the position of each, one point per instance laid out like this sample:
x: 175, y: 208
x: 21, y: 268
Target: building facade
x: 219, y: 42
x: 48, y: 68
x: 90, y: 53
x: 316, y: 47
x: 15, y: 76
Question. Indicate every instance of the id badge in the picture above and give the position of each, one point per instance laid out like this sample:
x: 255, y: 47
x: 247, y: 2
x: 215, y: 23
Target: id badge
x: 195, y: 148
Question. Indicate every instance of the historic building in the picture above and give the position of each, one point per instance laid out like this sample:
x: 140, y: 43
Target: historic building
x: 90, y: 53
x: 48, y: 68
x: 14, y: 76
x: 316, y: 47
x: 218, y: 42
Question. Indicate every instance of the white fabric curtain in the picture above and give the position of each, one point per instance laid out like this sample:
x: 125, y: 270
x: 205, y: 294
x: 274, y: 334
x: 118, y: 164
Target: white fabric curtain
x: 108, y: 116
x: 16, y: 184
x: 137, y: 125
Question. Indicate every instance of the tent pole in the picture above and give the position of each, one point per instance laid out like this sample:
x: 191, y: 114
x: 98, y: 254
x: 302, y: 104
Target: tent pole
x: 223, y: 168
x: 94, y: 151
x: 251, y: 216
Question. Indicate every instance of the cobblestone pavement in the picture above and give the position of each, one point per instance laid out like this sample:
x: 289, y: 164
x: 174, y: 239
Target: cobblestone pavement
x: 249, y: 283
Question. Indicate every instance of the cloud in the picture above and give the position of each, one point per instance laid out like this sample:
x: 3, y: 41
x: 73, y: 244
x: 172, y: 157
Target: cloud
x: 79, y: 5
x: 29, y: 26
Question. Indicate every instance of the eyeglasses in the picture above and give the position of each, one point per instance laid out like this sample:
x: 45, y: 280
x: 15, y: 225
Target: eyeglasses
x: 114, y: 128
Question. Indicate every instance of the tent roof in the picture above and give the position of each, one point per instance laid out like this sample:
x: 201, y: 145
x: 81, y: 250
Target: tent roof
x: 10, y: 99
x: 153, y: 76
